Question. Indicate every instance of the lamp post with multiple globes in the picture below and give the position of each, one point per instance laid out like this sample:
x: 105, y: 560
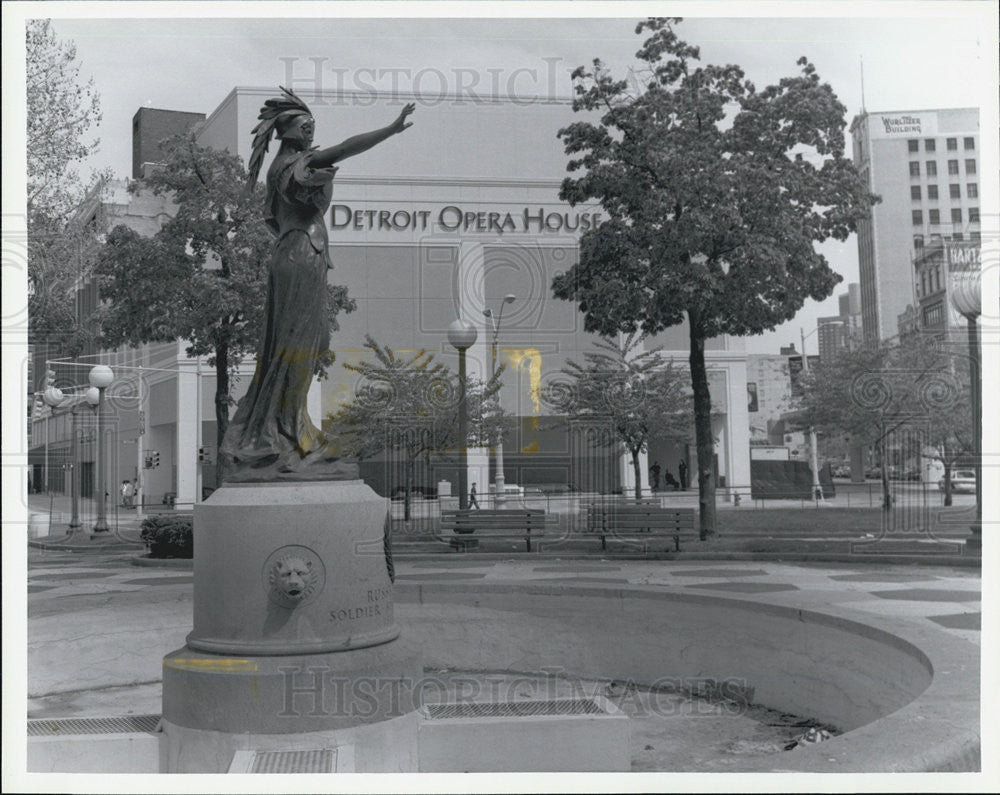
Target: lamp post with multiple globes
x: 462, y: 335
x: 495, y: 321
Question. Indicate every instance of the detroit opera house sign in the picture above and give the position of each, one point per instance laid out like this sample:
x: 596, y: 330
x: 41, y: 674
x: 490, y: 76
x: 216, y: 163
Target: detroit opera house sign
x: 454, y: 218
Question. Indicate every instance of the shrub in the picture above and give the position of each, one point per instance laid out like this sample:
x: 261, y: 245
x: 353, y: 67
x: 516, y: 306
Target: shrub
x: 168, y: 536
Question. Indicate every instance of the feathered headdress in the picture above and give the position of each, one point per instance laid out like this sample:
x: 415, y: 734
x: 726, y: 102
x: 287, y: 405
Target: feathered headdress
x: 275, y: 113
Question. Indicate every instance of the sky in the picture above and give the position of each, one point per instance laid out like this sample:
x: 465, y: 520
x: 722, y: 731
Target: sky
x: 915, y: 56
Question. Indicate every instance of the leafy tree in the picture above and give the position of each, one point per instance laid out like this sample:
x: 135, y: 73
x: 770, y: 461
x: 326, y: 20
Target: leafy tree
x: 715, y: 194
x: 874, y: 392
x: 409, y: 404
x: 639, y: 394
x: 201, y: 278
x: 61, y: 110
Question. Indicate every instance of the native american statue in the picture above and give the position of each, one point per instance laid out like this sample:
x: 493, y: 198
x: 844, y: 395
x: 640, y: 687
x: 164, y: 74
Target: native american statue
x: 271, y: 436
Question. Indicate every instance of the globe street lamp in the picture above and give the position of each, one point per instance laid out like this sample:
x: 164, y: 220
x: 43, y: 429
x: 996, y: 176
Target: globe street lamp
x: 54, y: 397
x: 495, y: 323
x: 100, y: 379
x: 966, y: 297
x: 462, y: 335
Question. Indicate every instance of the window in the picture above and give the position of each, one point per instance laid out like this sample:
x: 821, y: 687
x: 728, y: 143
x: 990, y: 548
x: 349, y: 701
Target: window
x: 970, y: 143
x: 937, y: 278
x: 915, y: 168
x: 923, y: 284
x: 932, y: 168
x: 957, y: 236
x: 975, y: 237
x: 956, y: 215
x: 915, y: 192
x: 935, y: 216
x: 970, y: 166
x: 914, y: 145
x: 972, y: 190
x: 932, y: 192
x: 974, y: 215
x: 929, y: 145
x: 918, y: 218
x: 955, y: 191
x: 952, y: 167
x: 933, y: 315
x: 952, y: 144
x: 918, y: 242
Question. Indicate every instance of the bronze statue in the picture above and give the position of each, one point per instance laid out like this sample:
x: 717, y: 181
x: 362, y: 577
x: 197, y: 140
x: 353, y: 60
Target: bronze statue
x: 271, y: 437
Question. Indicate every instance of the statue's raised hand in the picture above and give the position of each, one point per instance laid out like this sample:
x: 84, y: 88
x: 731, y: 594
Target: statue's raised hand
x: 401, y: 123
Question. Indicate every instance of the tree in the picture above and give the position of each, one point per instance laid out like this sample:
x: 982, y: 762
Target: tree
x: 638, y: 393
x: 875, y: 392
x: 410, y: 404
x: 201, y: 278
x: 61, y: 110
x: 715, y: 194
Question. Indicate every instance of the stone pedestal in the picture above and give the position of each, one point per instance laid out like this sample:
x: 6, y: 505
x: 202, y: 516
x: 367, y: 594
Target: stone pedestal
x: 294, y: 644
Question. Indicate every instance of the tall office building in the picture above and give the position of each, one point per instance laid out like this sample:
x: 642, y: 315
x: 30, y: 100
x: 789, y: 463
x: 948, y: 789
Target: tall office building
x: 925, y: 165
x: 841, y: 331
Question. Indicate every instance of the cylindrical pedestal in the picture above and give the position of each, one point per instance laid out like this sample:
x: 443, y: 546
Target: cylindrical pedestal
x: 294, y: 643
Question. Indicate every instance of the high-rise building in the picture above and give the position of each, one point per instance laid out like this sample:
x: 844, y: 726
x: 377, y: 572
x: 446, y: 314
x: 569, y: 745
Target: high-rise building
x: 925, y: 165
x: 841, y: 331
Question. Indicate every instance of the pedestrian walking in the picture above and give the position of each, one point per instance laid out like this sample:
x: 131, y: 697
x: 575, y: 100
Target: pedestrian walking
x: 125, y: 485
x: 473, y: 502
x: 129, y: 494
x: 682, y: 470
x: 654, y: 472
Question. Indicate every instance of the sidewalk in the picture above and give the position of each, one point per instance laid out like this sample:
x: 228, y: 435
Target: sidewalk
x: 98, y: 627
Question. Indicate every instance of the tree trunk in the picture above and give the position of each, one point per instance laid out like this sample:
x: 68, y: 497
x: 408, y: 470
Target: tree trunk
x: 221, y: 408
x: 638, y: 475
x: 947, y: 482
x: 884, y: 471
x: 702, y: 429
x: 409, y: 487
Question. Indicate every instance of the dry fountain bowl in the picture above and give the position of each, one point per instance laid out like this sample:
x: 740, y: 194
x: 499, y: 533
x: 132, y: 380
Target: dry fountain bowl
x: 905, y: 695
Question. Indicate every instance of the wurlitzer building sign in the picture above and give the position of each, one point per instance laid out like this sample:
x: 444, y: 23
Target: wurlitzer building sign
x: 894, y: 125
x: 455, y: 218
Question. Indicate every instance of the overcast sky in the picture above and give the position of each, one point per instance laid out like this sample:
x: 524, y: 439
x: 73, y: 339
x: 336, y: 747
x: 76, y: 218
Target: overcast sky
x: 916, y: 56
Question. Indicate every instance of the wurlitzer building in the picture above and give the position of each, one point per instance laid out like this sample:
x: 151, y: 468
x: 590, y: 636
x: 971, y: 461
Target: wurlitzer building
x: 443, y: 222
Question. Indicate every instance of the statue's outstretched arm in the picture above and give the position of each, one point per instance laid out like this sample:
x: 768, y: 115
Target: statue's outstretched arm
x: 361, y: 143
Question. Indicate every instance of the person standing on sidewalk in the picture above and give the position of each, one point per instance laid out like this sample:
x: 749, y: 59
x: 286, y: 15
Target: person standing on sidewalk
x: 682, y: 470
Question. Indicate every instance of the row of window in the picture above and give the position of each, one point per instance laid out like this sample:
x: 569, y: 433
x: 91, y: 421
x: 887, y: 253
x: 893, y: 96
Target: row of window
x: 934, y: 216
x: 931, y: 146
x: 970, y: 167
x: 930, y: 281
x: 918, y: 240
x: 954, y: 191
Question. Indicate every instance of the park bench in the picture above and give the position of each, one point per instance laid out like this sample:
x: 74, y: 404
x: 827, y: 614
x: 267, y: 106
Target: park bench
x: 637, y: 523
x: 458, y: 527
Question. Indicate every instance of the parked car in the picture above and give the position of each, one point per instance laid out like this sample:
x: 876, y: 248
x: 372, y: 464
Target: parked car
x: 962, y: 480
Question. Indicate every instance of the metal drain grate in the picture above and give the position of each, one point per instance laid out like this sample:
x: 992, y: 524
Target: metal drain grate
x: 514, y: 709
x: 124, y: 724
x: 315, y: 760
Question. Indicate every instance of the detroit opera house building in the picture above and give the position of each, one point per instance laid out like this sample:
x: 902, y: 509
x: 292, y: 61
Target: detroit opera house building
x: 441, y: 222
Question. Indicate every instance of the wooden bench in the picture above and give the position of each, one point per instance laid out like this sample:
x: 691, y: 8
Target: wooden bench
x: 638, y: 522
x: 458, y: 527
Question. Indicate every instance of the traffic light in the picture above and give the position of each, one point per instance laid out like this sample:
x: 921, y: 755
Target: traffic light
x: 202, y: 454
x: 156, y: 459
x: 152, y: 459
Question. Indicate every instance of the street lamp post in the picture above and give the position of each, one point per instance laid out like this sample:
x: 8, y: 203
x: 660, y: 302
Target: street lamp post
x: 817, y: 488
x: 100, y: 379
x: 495, y: 321
x: 462, y: 335
x: 966, y: 297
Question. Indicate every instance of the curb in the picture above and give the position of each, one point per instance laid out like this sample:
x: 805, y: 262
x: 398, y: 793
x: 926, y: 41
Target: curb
x: 960, y: 561
x: 162, y: 563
